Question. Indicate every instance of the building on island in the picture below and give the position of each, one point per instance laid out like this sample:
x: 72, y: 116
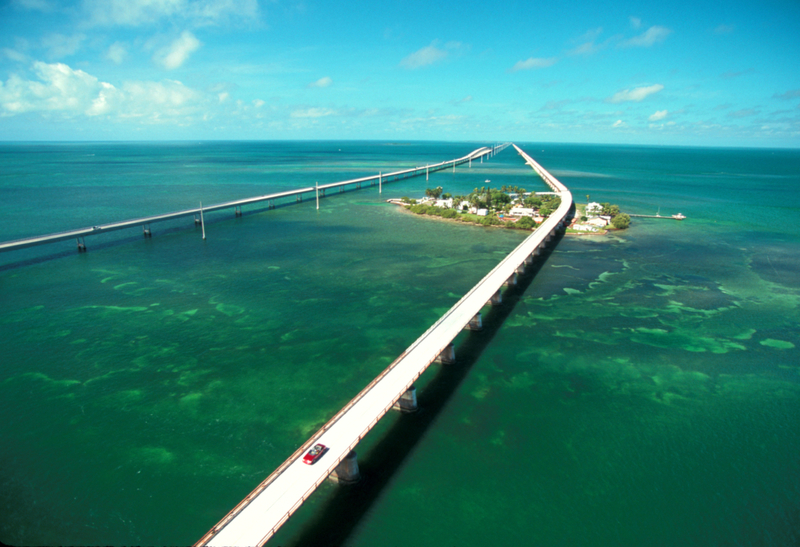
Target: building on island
x: 521, y: 212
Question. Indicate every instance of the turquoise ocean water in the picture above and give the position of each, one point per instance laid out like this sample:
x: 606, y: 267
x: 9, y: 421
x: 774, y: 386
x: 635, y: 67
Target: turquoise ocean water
x: 642, y: 389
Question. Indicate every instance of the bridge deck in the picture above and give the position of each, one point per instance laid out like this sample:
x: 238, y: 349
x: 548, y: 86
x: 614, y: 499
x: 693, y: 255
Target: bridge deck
x: 258, y: 516
x: 94, y: 230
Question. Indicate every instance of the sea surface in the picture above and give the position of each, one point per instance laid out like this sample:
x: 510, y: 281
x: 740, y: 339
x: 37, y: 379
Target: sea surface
x: 643, y: 388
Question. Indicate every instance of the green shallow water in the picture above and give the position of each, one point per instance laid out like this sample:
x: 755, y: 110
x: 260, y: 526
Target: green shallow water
x: 642, y: 390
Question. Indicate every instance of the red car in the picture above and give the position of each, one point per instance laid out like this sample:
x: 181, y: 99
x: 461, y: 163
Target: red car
x: 315, y: 453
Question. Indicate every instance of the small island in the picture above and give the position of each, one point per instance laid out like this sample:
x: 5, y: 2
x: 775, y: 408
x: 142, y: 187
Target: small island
x: 514, y: 208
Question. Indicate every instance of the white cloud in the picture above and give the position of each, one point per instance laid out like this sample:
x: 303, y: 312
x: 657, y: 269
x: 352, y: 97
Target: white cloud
x: 658, y: 115
x: 618, y: 123
x: 258, y: 103
x: 135, y: 13
x: 224, y: 96
x: 322, y: 82
x: 634, y: 95
x: 534, y: 62
x: 635, y: 22
x: 423, y: 57
x: 175, y: 54
x: 651, y: 36
x: 60, y: 88
x: 116, y: 52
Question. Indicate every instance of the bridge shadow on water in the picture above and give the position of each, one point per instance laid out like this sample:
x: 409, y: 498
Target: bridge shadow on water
x: 339, y: 516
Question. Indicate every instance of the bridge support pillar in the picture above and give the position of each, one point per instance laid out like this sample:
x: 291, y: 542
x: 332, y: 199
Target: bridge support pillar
x: 407, y: 401
x: 476, y: 323
x: 511, y: 281
x: 81, y: 244
x: 447, y: 356
x: 197, y: 220
x: 237, y: 211
x: 496, y: 299
x: 347, y: 471
x: 146, y: 231
x: 529, y: 260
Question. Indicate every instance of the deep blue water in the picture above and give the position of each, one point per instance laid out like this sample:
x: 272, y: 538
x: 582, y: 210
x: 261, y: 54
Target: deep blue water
x: 642, y: 390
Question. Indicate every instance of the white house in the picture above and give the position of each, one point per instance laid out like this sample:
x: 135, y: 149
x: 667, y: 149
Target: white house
x: 599, y: 222
x: 443, y: 203
x: 584, y: 228
x: 521, y: 212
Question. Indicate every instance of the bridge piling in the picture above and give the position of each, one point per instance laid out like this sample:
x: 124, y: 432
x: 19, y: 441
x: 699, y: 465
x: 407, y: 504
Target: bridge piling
x: 146, y: 231
x: 447, y: 356
x: 408, y: 401
x: 347, y: 471
x: 476, y: 323
x: 511, y: 281
x: 81, y: 244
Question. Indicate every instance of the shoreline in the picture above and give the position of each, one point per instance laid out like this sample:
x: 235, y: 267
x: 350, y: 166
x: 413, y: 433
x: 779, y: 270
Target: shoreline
x: 405, y: 208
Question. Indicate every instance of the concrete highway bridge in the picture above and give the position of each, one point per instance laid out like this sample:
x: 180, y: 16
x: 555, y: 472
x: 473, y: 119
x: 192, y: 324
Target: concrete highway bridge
x: 80, y: 234
x: 256, y: 518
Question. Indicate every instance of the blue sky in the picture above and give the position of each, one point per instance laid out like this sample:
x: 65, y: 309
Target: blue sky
x: 645, y: 72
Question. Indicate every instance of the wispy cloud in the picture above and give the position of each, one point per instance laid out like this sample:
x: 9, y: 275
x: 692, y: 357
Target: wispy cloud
x: 423, y: 57
x: 635, y: 22
x: 14, y: 55
x: 313, y: 112
x: 35, y: 5
x: 743, y: 113
x: 60, y: 45
x: 134, y: 13
x: 533, y: 62
x: 174, y: 55
x: 658, y: 115
x: 789, y: 95
x: 724, y: 29
x: 588, y: 45
x: 735, y: 74
x: 117, y: 52
x: 651, y: 36
x: 322, y: 82
x: 634, y: 95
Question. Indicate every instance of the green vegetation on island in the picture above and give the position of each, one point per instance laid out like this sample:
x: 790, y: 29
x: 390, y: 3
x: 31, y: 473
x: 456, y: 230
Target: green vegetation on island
x: 508, y: 207
x: 514, y: 208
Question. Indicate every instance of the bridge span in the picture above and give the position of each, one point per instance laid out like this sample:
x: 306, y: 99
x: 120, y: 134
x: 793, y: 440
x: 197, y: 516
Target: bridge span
x: 256, y: 518
x: 80, y: 234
